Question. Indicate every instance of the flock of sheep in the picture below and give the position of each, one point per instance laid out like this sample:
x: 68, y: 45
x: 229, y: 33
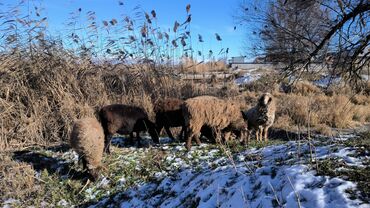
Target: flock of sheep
x: 208, y: 116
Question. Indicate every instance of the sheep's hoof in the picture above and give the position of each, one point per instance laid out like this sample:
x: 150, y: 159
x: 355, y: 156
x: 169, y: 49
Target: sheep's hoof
x: 107, y: 151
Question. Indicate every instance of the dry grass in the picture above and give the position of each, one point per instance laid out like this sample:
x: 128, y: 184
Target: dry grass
x: 191, y: 66
x: 17, y: 178
x: 38, y: 106
x: 268, y: 82
x: 361, y: 113
x: 361, y: 99
x: 324, y: 130
x: 305, y: 88
x: 318, y: 110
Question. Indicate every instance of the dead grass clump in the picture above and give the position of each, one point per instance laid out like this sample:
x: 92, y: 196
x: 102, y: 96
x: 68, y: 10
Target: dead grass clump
x: 340, y: 111
x: 266, y: 83
x: 367, y: 88
x: 245, y: 100
x: 189, y: 90
x: 360, y: 99
x: 305, y: 88
x: 324, y: 130
x: 41, y: 99
x: 361, y: 113
x: 40, y: 105
x: 17, y: 179
x: 335, y: 111
x: 338, y: 89
x: 295, y: 106
x: 284, y: 122
x: 191, y: 66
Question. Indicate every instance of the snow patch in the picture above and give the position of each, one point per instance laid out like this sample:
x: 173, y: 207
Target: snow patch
x: 247, y: 78
x: 327, y: 80
x: 266, y: 177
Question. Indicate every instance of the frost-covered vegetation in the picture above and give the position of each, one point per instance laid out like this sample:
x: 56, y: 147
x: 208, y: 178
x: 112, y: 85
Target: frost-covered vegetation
x: 279, y: 173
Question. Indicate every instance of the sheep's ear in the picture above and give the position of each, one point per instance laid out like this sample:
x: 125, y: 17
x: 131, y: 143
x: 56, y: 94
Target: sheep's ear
x: 270, y: 99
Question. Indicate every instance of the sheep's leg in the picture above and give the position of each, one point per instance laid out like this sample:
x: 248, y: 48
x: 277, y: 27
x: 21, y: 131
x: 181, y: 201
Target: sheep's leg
x: 227, y: 136
x: 158, y: 128
x: 84, y: 163
x: 241, y: 135
x: 197, y: 140
x: 138, y: 138
x: 188, y: 137
x: 260, y: 133
x: 153, y: 133
x: 107, y: 141
x: 217, y: 135
x: 246, y: 136
x: 131, y: 139
x: 249, y: 133
x: 242, y: 138
x: 181, y: 135
x: 266, y: 133
x: 168, y: 131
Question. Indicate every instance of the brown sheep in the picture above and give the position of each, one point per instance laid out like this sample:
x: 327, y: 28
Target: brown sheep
x: 168, y: 113
x: 261, y: 117
x: 212, y: 112
x: 125, y: 119
x: 87, y: 139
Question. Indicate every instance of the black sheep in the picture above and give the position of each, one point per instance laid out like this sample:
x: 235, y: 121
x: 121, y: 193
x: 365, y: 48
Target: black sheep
x: 125, y: 119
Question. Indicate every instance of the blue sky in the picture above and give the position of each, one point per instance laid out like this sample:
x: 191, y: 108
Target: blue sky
x: 208, y: 17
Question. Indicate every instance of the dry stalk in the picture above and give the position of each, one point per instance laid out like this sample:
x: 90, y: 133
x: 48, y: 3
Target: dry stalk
x: 276, y: 198
x: 295, y: 192
x: 87, y: 183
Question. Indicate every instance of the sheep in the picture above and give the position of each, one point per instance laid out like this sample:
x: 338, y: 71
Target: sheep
x: 261, y: 117
x: 125, y: 119
x: 87, y: 139
x: 213, y: 112
x: 168, y: 113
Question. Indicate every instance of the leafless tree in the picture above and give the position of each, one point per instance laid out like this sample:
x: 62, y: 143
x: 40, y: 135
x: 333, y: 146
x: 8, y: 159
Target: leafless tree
x: 298, y: 33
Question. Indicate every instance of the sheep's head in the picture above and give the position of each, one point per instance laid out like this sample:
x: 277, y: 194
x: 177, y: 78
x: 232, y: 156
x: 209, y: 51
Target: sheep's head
x: 265, y: 100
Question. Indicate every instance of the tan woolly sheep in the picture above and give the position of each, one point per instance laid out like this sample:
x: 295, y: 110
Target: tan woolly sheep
x: 87, y: 139
x: 261, y: 117
x: 216, y: 113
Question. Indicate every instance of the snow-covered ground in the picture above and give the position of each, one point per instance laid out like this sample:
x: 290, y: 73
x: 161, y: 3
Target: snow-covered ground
x: 327, y: 80
x: 248, y: 77
x: 273, y: 176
